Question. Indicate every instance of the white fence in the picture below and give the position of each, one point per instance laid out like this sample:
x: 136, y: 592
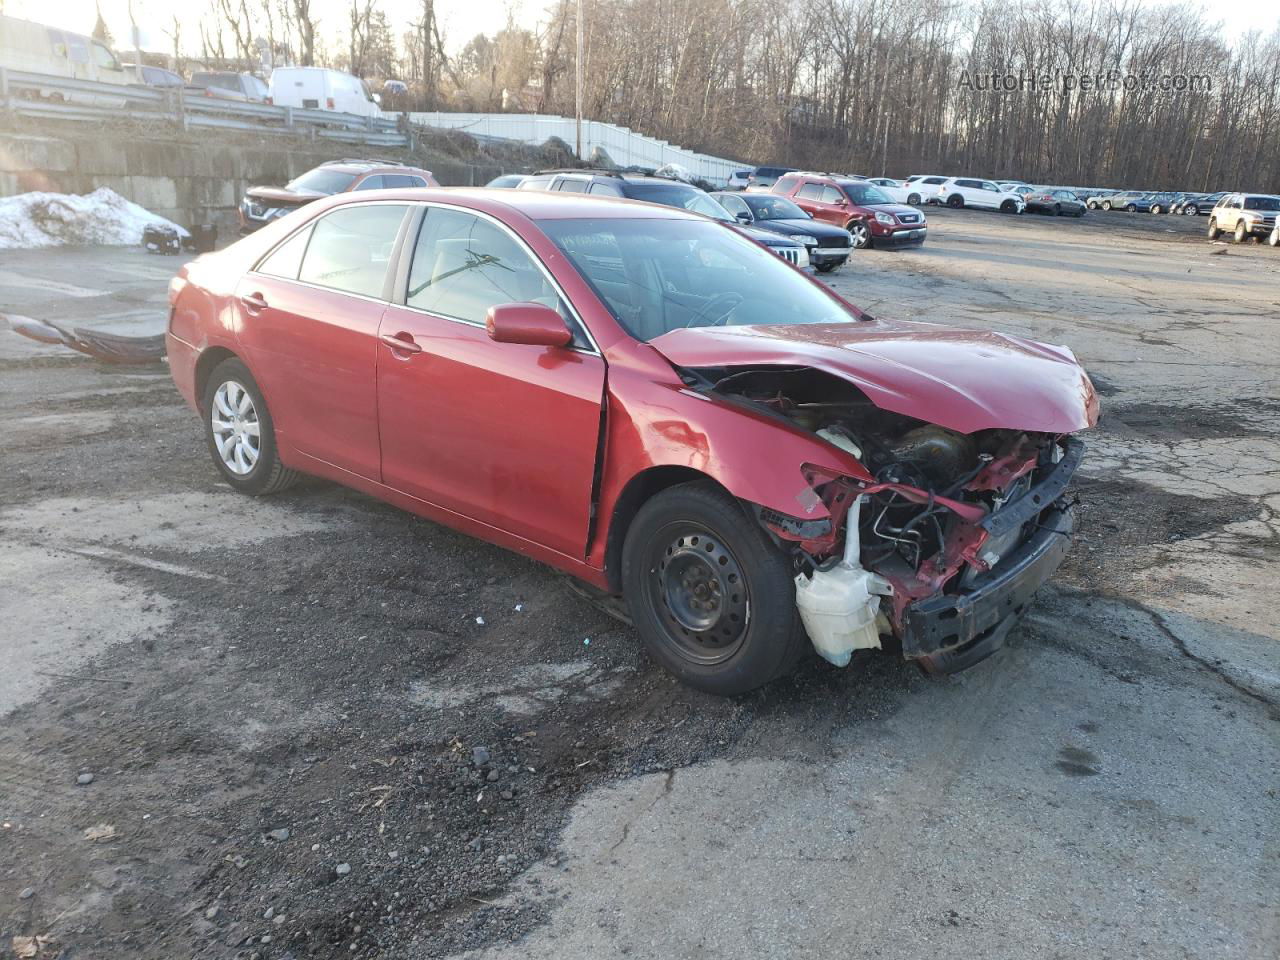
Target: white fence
x: 624, y: 147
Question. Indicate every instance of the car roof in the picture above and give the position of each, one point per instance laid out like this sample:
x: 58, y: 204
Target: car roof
x: 534, y: 204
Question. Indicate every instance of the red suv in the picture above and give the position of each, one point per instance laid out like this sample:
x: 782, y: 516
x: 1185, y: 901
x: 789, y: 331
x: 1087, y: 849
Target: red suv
x: 862, y: 208
x: 261, y: 205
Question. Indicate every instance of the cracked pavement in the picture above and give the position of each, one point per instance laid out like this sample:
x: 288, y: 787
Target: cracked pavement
x: 1105, y: 787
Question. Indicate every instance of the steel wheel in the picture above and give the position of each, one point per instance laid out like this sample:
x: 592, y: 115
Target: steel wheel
x: 697, y: 586
x: 237, y: 431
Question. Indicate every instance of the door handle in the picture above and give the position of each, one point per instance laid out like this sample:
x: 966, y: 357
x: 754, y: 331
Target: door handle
x: 254, y: 301
x: 401, y: 341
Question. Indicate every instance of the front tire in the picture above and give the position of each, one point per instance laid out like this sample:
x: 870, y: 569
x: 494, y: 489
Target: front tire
x: 1214, y: 232
x: 1131, y: 208
x: 860, y: 231
x: 825, y: 267
x: 240, y: 433
x: 711, y: 596
x: 1057, y: 210
x: 1008, y: 207
x: 1241, y: 232
x: 1106, y: 204
x: 1274, y: 239
x: 1156, y: 208
x: 1191, y: 210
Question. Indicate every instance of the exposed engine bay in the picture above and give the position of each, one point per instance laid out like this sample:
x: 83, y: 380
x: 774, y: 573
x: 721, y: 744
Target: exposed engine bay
x: 917, y: 522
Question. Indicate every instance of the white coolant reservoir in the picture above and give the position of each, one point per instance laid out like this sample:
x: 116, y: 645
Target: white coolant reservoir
x: 839, y: 606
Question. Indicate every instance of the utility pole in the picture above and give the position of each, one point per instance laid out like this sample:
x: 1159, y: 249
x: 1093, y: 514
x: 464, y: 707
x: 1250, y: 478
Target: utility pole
x: 578, y: 83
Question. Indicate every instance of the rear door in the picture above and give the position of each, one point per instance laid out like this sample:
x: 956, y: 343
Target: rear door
x: 309, y: 316
x: 503, y: 433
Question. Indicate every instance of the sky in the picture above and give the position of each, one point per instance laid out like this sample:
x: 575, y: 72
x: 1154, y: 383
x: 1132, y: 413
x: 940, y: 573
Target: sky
x: 460, y: 20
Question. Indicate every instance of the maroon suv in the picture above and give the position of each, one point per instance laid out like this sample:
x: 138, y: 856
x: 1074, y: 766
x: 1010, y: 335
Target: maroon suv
x: 862, y: 208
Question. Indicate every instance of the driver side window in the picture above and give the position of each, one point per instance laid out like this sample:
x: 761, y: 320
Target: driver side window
x: 463, y: 265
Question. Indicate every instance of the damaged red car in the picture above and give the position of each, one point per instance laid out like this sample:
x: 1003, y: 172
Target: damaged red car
x: 649, y: 401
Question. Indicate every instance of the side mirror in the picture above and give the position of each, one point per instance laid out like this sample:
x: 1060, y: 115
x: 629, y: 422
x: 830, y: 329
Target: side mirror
x: 528, y: 323
x: 742, y: 217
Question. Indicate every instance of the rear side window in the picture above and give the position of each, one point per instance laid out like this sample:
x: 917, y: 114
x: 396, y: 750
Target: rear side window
x: 604, y: 189
x: 402, y: 180
x: 810, y: 191
x: 376, y: 182
x: 286, y: 259
x: 534, y: 183
x: 350, y: 249
x: 572, y: 186
x: 786, y: 183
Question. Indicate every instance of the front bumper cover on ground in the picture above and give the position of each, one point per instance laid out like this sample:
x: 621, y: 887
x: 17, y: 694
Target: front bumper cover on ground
x: 948, y: 633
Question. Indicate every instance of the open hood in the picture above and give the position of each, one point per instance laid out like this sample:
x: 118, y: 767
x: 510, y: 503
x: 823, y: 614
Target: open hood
x: 964, y: 380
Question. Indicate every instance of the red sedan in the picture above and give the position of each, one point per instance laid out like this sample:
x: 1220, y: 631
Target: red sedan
x: 647, y: 400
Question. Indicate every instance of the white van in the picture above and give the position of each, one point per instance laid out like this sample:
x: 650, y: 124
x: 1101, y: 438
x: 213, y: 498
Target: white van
x: 317, y: 88
x: 35, y: 48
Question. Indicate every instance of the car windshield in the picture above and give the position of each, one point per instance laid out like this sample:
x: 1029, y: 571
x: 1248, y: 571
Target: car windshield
x: 1262, y: 203
x: 765, y: 207
x: 656, y: 276
x: 679, y: 195
x: 864, y: 193
x: 323, y: 181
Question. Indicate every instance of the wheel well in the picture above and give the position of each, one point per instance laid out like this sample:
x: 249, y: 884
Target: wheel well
x: 204, y: 367
x: 639, y: 489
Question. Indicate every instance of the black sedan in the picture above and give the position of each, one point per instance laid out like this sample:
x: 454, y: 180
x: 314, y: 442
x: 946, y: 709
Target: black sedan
x: 1060, y: 203
x: 829, y: 246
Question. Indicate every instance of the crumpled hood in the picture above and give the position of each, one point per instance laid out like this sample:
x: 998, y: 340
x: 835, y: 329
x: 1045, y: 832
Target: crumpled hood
x: 283, y: 196
x: 964, y: 380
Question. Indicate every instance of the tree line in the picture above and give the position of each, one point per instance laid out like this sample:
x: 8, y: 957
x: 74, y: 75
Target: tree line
x: 1084, y: 92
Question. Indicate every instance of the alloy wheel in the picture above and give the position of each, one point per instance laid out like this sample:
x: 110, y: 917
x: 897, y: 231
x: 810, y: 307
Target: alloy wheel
x: 861, y: 234
x: 237, y: 431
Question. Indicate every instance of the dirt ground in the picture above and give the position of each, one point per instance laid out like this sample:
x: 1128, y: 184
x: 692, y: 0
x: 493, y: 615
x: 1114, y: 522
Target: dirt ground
x: 314, y: 726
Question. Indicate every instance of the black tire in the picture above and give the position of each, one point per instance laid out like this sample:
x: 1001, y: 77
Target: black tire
x: 1241, y: 233
x: 825, y: 267
x: 687, y: 550
x: 1106, y: 204
x: 1214, y: 232
x: 1131, y: 208
x: 267, y: 474
x: 860, y: 231
x: 913, y: 199
x: 1080, y: 213
x: 1191, y: 210
x: 1057, y: 209
x: 1092, y: 205
x: 955, y: 201
x: 1156, y: 208
x: 1273, y: 239
x: 1008, y: 207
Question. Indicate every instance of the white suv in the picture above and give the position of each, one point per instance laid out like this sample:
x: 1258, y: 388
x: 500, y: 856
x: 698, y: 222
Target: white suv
x: 967, y: 192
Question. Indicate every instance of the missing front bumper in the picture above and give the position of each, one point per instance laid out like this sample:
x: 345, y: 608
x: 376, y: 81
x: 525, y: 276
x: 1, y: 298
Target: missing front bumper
x: 948, y: 633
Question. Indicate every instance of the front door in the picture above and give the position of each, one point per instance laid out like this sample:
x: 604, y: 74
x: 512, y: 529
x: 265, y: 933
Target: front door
x: 309, y: 320
x: 503, y: 433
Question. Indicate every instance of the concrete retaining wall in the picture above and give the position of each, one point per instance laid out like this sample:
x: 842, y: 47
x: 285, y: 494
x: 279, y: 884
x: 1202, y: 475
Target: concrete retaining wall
x: 198, y: 179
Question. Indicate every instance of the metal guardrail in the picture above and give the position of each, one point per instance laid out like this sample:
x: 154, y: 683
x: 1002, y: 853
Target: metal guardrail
x: 46, y: 96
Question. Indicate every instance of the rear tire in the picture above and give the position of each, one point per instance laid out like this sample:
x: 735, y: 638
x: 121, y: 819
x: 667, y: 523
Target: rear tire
x: 913, y: 199
x: 711, y: 596
x: 955, y: 201
x: 1156, y: 208
x: 1057, y: 210
x: 240, y: 433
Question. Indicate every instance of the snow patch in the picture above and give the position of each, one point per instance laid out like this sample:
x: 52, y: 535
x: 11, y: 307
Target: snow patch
x: 32, y: 220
